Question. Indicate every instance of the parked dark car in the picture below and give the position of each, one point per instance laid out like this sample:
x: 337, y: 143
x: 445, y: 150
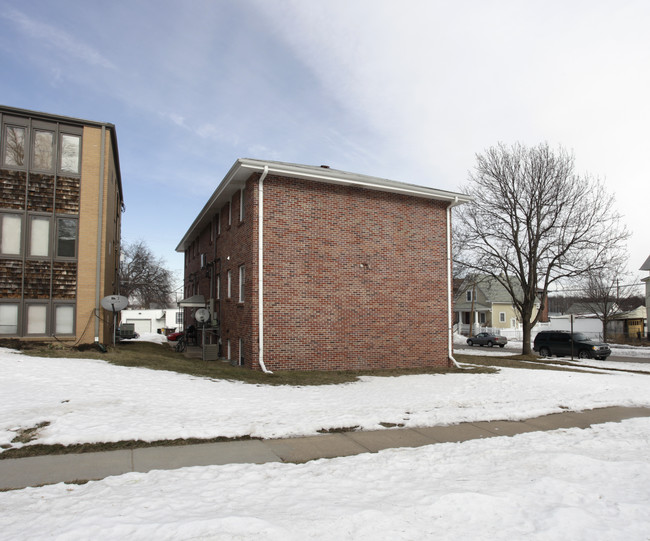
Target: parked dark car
x: 487, y: 339
x: 561, y: 343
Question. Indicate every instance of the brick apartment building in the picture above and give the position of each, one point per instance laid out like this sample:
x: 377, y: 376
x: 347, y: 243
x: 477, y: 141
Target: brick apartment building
x: 60, y: 216
x: 306, y: 267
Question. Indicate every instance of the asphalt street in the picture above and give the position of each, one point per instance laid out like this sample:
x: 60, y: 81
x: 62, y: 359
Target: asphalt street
x: 614, y: 357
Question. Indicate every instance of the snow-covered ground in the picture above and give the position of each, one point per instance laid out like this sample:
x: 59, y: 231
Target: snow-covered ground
x: 566, y: 484
x: 85, y: 401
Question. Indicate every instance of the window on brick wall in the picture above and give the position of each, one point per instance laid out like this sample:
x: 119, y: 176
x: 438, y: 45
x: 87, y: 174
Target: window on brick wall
x: 228, y: 349
x: 228, y: 285
x: 70, y: 153
x: 64, y: 319
x: 241, y: 205
x: 14, y: 146
x: 242, y: 276
x: 241, y: 352
x: 8, y: 318
x: 218, y: 286
x: 36, y: 318
x: 218, y: 223
x: 39, y: 236
x: 43, y: 150
x: 66, y: 237
x: 11, y: 227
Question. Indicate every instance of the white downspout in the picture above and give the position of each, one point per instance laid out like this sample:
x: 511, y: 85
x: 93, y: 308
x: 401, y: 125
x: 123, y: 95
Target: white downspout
x: 260, y: 269
x: 100, y: 231
x: 449, y: 287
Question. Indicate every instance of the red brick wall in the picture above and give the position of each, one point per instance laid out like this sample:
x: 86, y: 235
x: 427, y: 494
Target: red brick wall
x: 354, y: 278
x: 226, y: 251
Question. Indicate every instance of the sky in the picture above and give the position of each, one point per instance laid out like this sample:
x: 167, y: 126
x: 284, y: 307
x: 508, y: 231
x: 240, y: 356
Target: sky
x: 410, y: 91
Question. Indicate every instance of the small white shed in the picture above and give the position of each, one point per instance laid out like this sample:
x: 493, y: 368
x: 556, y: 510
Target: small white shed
x: 151, y: 321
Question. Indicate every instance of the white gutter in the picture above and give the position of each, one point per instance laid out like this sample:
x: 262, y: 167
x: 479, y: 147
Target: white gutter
x: 390, y: 187
x: 450, y: 286
x: 260, y: 269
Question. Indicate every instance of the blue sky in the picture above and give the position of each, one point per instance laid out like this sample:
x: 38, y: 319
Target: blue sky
x: 404, y: 90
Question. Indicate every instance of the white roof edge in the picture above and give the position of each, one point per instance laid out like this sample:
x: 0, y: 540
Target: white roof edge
x: 334, y: 176
x: 322, y: 174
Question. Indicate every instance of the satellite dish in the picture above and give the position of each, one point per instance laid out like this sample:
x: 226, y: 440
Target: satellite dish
x: 114, y: 303
x: 202, y: 315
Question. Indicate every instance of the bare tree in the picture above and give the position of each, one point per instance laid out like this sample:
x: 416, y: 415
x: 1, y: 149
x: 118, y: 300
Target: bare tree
x: 534, y: 222
x: 144, y: 279
x: 606, y: 292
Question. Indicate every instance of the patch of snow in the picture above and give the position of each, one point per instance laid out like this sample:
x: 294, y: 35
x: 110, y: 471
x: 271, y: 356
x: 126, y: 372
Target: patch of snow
x: 566, y: 484
x: 87, y: 401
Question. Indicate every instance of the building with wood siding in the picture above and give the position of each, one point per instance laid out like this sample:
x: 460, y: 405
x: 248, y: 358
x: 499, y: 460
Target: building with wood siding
x: 60, y: 217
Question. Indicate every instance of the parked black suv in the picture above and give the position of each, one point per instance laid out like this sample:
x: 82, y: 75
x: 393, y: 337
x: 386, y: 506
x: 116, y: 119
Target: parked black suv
x: 558, y: 343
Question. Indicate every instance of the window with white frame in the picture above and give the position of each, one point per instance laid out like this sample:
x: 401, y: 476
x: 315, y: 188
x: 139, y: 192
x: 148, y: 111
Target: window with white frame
x: 229, y: 285
x: 228, y: 348
x: 8, y: 318
x: 242, y: 276
x: 11, y: 226
x: 241, y: 205
x: 218, y: 223
x: 502, y: 317
x: 468, y: 295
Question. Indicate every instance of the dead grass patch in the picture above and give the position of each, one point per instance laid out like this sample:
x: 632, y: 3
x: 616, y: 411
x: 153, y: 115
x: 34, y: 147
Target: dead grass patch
x: 162, y: 357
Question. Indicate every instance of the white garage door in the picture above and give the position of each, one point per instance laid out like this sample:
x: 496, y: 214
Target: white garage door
x: 141, y: 325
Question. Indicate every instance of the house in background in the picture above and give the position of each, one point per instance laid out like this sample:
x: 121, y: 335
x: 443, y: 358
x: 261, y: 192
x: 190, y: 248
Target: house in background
x: 631, y: 324
x: 306, y: 267
x: 646, y: 267
x: 485, y: 303
x: 60, y: 217
x: 152, y: 321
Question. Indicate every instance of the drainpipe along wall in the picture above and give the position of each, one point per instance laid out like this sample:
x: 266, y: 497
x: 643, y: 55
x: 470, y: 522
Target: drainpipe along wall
x: 260, y: 269
x: 100, y: 229
x: 450, y: 285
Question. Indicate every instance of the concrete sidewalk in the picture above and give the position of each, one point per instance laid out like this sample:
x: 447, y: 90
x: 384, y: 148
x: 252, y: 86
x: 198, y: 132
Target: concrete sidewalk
x: 42, y: 470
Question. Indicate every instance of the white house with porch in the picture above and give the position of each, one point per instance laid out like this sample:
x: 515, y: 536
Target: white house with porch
x: 482, y: 303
